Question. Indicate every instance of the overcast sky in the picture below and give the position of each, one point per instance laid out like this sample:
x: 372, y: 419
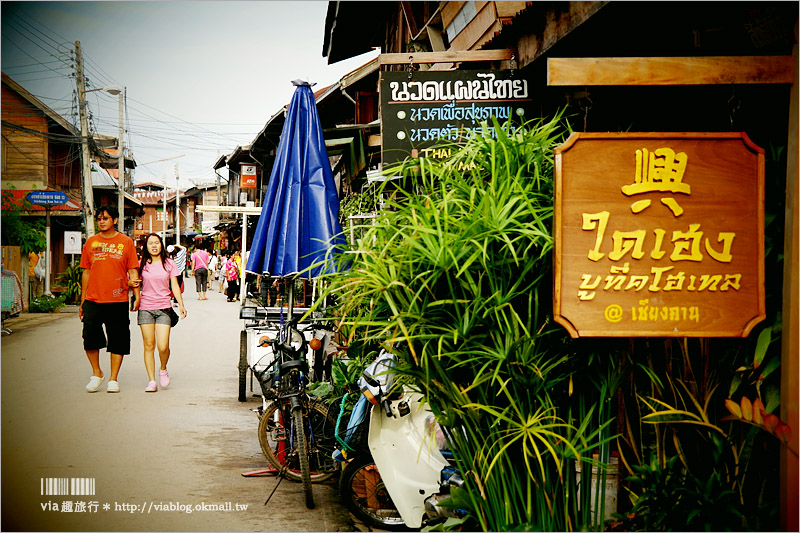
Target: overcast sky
x: 201, y: 77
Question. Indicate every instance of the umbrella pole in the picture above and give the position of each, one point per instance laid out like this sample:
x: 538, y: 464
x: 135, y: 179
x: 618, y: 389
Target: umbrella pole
x: 290, y: 297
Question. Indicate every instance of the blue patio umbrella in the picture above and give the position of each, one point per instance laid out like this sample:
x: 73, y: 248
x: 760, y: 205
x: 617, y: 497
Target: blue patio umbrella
x: 299, y: 224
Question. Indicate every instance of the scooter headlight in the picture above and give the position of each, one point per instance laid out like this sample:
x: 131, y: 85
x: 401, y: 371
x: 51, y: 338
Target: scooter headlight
x: 296, y: 339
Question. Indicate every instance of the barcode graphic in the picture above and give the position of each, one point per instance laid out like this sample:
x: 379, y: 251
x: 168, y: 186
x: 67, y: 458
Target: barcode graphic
x: 67, y: 486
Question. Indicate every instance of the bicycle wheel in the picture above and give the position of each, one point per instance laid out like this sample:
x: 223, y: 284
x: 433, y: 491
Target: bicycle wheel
x: 302, y: 455
x: 364, y: 493
x: 274, y: 436
x: 243, y: 366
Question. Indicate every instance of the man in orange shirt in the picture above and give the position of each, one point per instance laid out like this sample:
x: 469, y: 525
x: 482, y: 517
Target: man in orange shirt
x: 108, y: 261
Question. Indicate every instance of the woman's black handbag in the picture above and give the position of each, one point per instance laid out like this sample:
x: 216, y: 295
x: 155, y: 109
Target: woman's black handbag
x: 173, y: 317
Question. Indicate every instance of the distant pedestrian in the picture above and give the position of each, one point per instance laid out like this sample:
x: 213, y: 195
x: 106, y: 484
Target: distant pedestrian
x: 158, y: 274
x: 222, y: 272
x: 178, y: 254
x: 232, y: 277
x: 109, y: 262
x: 213, y: 265
x: 200, y: 260
x: 273, y: 292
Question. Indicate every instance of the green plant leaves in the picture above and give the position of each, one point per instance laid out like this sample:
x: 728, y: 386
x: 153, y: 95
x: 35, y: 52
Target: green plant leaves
x: 455, y: 278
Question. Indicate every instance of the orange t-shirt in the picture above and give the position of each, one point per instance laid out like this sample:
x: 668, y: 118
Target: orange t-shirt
x: 108, y: 261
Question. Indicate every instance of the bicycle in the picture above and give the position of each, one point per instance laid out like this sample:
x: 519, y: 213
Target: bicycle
x: 295, y: 432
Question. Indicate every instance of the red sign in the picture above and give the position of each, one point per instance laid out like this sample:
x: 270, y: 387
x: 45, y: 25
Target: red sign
x: 248, y: 180
x: 659, y: 234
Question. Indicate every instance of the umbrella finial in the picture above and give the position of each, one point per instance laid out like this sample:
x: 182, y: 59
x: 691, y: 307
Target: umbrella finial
x: 302, y: 83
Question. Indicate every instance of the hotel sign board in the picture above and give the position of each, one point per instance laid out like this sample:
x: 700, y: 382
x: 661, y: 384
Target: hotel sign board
x: 429, y: 109
x: 659, y: 234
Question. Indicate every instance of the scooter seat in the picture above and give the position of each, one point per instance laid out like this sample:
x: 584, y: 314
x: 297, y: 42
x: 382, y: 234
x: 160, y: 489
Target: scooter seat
x: 297, y: 364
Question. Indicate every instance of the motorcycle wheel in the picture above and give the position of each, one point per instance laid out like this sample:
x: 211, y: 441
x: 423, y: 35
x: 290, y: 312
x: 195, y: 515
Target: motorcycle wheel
x: 364, y: 493
x: 274, y: 431
x: 243, y: 367
x: 302, y: 455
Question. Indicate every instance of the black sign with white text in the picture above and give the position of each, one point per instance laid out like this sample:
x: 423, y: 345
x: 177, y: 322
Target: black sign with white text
x: 432, y: 108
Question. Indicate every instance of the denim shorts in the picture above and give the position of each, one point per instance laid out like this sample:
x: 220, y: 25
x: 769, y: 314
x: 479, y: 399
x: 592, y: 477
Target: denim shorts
x: 154, y: 316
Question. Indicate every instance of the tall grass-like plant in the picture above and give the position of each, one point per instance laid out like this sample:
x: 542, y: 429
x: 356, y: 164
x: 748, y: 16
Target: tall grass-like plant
x: 456, y: 280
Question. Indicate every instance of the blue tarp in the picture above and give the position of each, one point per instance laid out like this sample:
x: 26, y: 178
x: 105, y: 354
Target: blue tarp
x: 299, y: 222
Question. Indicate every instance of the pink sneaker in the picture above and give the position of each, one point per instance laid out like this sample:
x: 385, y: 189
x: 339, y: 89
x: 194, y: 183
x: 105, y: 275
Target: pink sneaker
x: 163, y: 377
x: 151, y: 387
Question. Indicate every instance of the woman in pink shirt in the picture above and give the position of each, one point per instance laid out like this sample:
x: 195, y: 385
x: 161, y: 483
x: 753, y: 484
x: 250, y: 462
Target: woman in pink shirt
x: 158, y: 275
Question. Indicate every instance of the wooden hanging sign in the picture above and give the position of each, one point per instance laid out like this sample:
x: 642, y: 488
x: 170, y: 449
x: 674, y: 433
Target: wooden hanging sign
x: 659, y: 234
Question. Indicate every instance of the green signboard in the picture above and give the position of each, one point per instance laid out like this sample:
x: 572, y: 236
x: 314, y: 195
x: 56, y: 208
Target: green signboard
x: 423, y: 111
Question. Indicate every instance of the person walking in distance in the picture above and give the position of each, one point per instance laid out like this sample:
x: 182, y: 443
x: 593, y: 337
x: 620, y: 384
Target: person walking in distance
x: 157, y: 275
x: 200, y: 268
x: 213, y: 264
x: 178, y: 253
x: 108, y: 261
x: 223, y: 262
x: 232, y: 275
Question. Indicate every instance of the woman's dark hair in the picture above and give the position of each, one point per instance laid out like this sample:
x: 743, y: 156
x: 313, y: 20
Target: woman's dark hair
x: 147, y: 258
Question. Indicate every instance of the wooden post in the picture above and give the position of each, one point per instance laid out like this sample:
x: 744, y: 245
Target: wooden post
x: 789, y: 338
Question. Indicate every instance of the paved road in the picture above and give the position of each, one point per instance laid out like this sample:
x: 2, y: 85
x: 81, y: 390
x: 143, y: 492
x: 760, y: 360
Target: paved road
x: 183, y: 447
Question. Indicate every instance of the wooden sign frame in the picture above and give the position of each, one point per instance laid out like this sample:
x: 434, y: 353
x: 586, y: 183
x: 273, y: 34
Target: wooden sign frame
x: 678, y: 252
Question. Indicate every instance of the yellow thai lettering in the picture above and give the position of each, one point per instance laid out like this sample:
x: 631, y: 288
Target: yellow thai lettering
x: 625, y: 241
x: 674, y: 282
x: 597, y: 221
x: 657, y: 252
x: 637, y: 283
x: 727, y: 242
x: 617, y: 277
x: 708, y: 282
x: 657, y: 272
x: 586, y: 286
x: 731, y: 280
x: 687, y: 244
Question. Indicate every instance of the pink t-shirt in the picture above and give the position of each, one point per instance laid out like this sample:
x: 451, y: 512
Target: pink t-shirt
x: 156, y: 288
x: 200, y: 259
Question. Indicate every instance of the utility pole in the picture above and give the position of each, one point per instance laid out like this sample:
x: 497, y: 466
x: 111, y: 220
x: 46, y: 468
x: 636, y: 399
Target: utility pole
x: 88, y: 201
x: 121, y: 167
x: 219, y: 192
x: 177, y: 206
x: 164, y: 221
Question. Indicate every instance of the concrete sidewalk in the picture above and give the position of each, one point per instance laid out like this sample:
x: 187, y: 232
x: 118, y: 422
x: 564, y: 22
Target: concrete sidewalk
x: 153, y: 458
x: 28, y: 320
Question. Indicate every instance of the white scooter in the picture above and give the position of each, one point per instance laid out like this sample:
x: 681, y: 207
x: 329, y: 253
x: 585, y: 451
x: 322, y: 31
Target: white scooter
x: 399, y: 481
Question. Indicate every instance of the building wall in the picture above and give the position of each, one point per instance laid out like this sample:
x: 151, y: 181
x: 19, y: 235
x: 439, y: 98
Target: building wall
x: 151, y: 221
x: 25, y: 156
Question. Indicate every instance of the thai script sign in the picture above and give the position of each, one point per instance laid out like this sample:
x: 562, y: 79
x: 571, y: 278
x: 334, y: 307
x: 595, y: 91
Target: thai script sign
x: 47, y: 198
x: 659, y: 234
x: 430, y: 108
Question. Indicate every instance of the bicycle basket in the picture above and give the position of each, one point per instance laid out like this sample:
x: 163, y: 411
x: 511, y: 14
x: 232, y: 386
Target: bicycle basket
x: 352, y: 429
x: 293, y: 375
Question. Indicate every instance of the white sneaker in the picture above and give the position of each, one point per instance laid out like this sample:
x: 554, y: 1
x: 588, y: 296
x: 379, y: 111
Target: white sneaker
x: 113, y: 386
x: 94, y: 383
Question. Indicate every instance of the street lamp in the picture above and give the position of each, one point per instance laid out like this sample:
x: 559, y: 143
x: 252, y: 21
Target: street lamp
x: 120, y: 92
x: 115, y: 90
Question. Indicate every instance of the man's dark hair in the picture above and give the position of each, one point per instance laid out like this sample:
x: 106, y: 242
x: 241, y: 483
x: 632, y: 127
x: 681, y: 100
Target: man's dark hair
x: 110, y: 210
